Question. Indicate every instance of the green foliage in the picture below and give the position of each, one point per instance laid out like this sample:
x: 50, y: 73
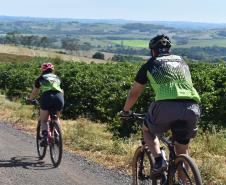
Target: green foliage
x: 126, y: 58
x: 99, y: 91
x: 210, y: 81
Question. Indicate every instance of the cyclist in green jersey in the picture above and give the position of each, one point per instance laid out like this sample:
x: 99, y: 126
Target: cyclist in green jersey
x: 51, y: 98
x: 175, y: 99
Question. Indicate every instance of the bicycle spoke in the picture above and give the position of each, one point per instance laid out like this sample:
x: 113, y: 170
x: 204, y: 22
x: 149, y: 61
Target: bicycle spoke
x: 187, y: 175
x: 186, y: 172
x: 56, y: 146
x: 142, y: 165
x: 41, y: 150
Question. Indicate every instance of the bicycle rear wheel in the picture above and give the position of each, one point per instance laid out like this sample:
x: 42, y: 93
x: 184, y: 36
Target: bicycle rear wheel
x: 187, y: 172
x: 56, y: 144
x: 141, y: 168
x: 41, y: 150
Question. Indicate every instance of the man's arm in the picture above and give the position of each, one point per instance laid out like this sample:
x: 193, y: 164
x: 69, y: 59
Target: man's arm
x: 133, y: 95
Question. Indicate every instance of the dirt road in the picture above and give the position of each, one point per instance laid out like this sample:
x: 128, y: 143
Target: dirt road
x: 19, y: 165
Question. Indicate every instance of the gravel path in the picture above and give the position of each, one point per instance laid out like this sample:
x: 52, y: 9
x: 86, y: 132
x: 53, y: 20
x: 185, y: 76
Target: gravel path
x: 19, y: 165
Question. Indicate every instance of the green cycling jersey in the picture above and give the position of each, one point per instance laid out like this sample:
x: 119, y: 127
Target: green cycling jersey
x: 48, y: 82
x: 169, y: 77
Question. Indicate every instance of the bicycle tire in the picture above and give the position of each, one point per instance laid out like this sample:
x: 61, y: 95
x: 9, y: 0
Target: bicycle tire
x: 56, y: 143
x: 141, y: 174
x: 189, y: 169
x: 40, y: 150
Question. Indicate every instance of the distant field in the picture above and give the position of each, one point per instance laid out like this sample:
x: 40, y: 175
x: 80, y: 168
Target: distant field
x: 194, y: 43
x: 132, y: 43
x: 205, y: 43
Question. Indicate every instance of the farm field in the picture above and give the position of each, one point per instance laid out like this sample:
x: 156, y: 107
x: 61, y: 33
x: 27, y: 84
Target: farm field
x: 132, y: 43
x: 191, y: 43
x: 204, y: 43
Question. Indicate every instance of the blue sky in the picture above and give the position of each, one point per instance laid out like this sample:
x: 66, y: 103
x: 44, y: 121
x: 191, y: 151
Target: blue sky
x: 146, y: 10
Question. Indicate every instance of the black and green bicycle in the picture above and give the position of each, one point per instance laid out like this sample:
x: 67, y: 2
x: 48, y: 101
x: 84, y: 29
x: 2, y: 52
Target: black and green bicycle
x: 181, y: 169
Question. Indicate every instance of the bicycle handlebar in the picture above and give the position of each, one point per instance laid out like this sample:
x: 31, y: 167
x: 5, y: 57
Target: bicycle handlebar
x: 138, y: 116
x: 33, y: 102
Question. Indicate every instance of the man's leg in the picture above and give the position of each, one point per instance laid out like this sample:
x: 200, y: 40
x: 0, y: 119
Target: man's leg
x: 152, y: 142
x: 181, y: 148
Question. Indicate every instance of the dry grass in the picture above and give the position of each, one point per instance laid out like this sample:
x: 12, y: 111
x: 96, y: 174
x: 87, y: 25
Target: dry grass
x: 210, y: 153
x: 93, y: 141
x: 17, y: 114
x: 4, y: 57
x: 49, y: 53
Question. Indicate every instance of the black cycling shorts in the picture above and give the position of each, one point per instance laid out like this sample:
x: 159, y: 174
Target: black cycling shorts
x: 52, y: 101
x: 181, y: 116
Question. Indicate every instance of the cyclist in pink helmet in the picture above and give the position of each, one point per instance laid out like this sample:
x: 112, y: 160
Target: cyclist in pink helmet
x: 49, y: 84
x: 46, y: 66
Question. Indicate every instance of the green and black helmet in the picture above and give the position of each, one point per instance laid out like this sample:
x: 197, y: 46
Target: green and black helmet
x: 160, y: 41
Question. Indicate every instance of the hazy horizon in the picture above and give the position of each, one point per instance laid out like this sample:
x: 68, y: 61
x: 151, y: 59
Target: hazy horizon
x: 112, y: 19
x: 202, y: 11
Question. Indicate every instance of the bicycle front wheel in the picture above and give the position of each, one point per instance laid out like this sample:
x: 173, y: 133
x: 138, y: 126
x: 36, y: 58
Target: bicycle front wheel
x: 187, y: 172
x: 56, y: 144
x: 142, y: 167
x: 41, y: 150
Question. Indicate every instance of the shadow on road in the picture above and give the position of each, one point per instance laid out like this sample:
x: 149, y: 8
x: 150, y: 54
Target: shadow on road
x: 27, y: 162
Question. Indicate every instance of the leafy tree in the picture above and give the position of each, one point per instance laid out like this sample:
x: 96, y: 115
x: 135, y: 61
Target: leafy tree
x: 86, y: 46
x: 98, y: 55
x: 44, y: 42
x: 70, y: 44
x: 11, y: 38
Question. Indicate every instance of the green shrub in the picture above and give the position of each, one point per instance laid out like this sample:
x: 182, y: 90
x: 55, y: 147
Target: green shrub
x: 98, y: 55
x: 99, y: 91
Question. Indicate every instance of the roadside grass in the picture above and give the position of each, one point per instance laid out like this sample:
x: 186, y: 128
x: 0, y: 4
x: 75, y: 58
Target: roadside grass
x: 93, y: 141
x: 209, y: 151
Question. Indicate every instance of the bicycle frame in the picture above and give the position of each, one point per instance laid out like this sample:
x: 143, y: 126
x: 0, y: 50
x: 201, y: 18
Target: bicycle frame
x: 172, y: 156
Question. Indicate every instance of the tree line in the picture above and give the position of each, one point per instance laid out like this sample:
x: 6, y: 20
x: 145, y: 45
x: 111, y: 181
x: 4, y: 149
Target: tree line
x: 67, y: 43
